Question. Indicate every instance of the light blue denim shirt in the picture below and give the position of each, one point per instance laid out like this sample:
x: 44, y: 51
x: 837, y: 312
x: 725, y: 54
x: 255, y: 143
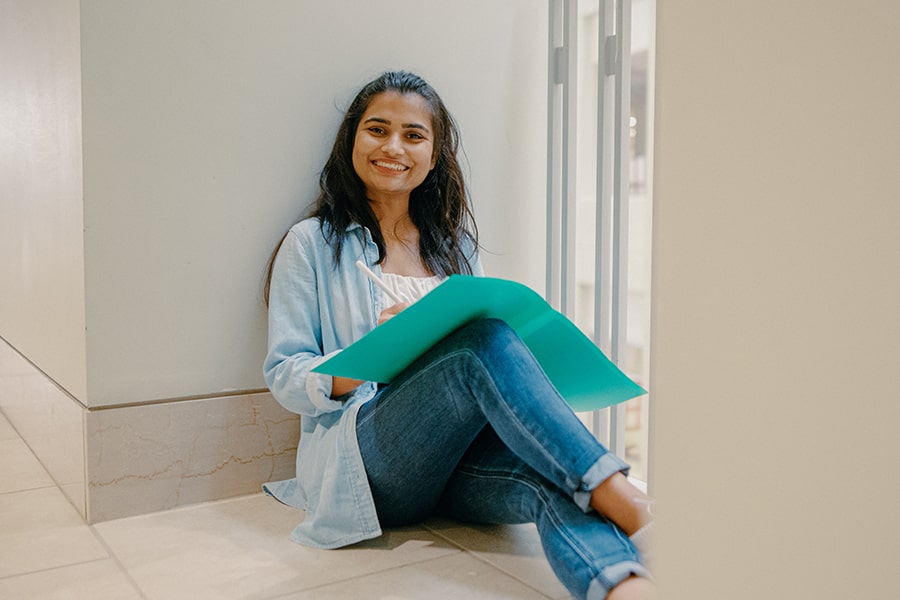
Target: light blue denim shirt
x: 316, y: 308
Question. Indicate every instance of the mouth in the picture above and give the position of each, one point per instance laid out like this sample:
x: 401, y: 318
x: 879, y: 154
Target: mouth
x: 390, y: 165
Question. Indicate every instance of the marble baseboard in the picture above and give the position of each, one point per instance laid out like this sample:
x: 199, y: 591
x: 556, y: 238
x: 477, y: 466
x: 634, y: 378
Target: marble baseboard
x: 148, y: 458
x: 119, y: 462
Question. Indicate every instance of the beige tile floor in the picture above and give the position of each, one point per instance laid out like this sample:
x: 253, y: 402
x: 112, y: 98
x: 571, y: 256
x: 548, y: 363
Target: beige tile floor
x: 239, y: 548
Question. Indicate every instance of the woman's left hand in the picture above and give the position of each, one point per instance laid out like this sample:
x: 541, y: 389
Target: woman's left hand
x: 391, y: 311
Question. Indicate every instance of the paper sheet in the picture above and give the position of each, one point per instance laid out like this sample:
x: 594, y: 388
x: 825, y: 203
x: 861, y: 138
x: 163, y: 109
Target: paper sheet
x: 584, y: 376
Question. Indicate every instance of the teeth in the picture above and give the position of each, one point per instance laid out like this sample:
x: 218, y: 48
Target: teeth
x: 392, y: 166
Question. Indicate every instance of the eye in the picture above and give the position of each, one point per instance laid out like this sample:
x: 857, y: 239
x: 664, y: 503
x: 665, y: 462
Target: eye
x: 376, y: 130
x: 415, y: 136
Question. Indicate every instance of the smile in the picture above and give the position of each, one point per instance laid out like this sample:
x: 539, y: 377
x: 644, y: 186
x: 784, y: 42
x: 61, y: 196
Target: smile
x: 390, y: 165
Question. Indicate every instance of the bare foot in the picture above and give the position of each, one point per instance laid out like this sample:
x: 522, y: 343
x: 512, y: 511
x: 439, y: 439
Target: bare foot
x: 622, y: 503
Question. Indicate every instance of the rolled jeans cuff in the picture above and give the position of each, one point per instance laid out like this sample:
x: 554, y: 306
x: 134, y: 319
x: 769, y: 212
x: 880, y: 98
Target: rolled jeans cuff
x: 605, y: 467
x: 612, y: 576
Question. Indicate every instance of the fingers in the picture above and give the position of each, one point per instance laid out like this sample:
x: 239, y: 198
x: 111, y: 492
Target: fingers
x: 391, y: 311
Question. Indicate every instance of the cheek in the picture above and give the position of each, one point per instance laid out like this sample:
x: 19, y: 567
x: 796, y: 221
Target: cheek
x: 359, y: 153
x: 358, y: 145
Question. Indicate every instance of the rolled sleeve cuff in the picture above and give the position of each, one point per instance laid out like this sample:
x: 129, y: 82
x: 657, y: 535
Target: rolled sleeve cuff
x: 606, y: 466
x: 318, y: 387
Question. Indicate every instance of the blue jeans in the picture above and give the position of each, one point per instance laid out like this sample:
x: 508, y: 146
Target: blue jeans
x: 475, y: 431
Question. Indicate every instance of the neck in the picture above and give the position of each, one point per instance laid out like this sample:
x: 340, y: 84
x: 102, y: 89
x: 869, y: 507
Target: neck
x: 401, y: 238
x: 393, y: 217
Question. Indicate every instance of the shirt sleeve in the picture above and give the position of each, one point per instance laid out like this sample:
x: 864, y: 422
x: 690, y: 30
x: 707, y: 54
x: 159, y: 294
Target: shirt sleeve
x: 295, y: 333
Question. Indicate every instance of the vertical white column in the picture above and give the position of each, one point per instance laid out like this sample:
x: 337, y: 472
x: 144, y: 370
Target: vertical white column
x: 562, y: 131
x: 621, y: 183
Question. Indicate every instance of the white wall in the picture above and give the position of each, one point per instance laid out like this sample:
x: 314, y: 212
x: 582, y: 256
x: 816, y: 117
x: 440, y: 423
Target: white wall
x: 41, y: 242
x: 205, y: 125
x: 775, y: 333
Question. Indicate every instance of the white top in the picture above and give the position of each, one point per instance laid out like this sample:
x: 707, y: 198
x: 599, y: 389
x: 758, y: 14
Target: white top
x: 410, y: 288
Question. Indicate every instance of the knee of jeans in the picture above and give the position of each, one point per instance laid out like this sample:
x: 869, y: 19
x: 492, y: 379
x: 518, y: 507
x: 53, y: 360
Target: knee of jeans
x: 488, y: 334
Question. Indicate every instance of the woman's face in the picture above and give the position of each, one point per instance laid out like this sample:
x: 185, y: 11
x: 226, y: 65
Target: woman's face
x: 394, y: 146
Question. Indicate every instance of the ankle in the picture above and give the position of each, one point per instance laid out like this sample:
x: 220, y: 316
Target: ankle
x: 622, y: 503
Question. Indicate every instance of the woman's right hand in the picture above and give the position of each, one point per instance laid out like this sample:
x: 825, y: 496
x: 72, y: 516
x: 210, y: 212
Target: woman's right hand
x: 391, y: 312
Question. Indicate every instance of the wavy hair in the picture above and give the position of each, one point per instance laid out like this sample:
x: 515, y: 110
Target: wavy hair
x: 439, y: 207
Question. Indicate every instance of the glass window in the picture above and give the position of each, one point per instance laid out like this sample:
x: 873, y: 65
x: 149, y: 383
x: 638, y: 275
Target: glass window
x: 590, y: 237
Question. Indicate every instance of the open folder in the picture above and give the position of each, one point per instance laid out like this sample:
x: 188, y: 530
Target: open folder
x: 584, y: 376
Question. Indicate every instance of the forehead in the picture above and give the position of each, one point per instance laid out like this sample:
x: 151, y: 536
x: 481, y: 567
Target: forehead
x: 405, y: 108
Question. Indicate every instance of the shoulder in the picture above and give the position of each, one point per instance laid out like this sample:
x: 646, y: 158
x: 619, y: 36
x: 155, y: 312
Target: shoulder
x: 313, y: 229
x: 470, y: 251
x: 308, y: 234
x: 302, y: 244
x: 314, y: 239
x: 306, y: 229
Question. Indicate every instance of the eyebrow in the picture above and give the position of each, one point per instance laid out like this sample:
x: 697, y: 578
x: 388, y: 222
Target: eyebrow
x: 405, y: 125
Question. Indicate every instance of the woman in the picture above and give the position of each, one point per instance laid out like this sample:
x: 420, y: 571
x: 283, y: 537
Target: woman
x: 473, y: 429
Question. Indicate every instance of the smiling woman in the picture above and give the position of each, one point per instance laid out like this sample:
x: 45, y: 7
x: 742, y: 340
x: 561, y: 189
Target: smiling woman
x: 473, y: 429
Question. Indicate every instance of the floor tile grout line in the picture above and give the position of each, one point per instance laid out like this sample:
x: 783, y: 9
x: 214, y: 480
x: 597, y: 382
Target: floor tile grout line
x: 111, y: 555
x: 362, y: 576
x: 115, y: 559
x: 477, y: 556
x: 53, y: 568
x: 52, y: 484
x: 485, y: 560
x: 31, y: 489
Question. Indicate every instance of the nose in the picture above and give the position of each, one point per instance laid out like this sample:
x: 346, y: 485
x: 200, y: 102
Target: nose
x: 393, y: 145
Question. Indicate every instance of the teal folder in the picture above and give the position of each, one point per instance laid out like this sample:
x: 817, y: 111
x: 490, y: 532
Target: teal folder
x: 584, y: 376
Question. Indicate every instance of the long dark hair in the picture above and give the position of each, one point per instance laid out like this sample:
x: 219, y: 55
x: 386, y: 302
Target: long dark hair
x: 439, y: 207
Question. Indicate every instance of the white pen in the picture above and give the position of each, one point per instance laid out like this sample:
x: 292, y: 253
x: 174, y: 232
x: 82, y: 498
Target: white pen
x: 384, y: 288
